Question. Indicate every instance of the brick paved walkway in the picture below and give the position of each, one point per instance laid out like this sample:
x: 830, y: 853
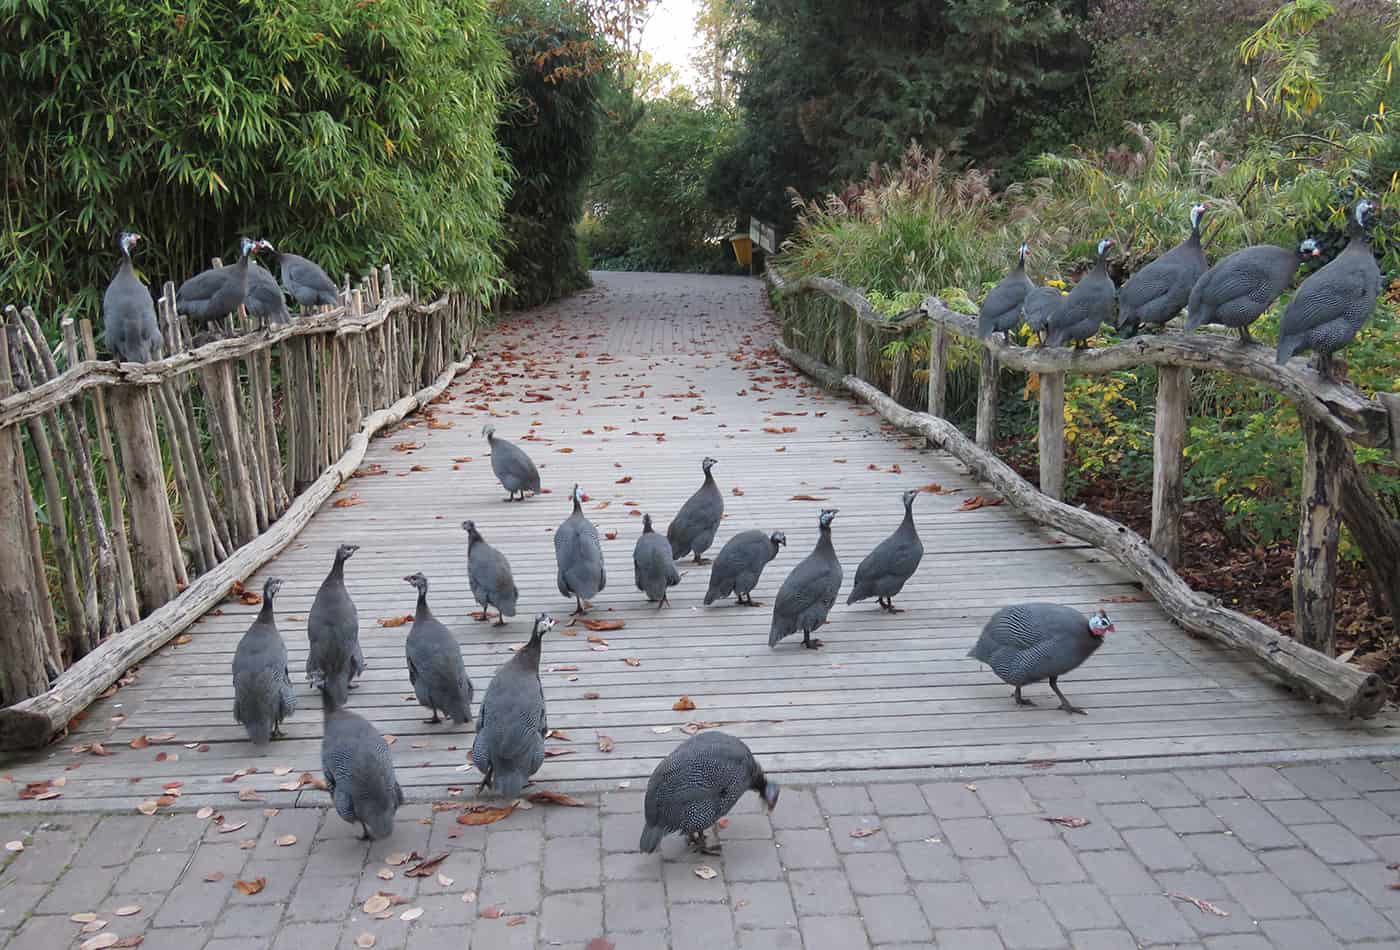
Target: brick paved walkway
x: 1292, y: 857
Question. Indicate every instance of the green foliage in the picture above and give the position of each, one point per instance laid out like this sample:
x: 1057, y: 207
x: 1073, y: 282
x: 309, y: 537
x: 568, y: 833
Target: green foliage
x: 352, y: 132
x: 548, y: 128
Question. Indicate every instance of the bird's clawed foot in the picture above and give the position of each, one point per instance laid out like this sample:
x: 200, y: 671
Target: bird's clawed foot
x: 887, y: 605
x: 701, y: 560
x: 434, y: 721
x: 700, y: 841
x: 1065, y: 704
x: 1021, y: 700
x: 811, y: 642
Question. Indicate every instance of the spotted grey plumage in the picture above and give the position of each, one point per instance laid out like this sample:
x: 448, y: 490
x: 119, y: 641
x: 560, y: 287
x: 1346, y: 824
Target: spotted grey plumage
x: 309, y: 285
x: 1088, y: 306
x: 1027, y: 643
x: 359, y: 770
x: 697, y: 785
x: 435, y: 665
x: 1158, y: 292
x: 808, y: 593
x: 215, y: 293
x: 1040, y: 306
x: 740, y: 563
x: 129, y: 327
x: 488, y: 574
x: 1238, y: 289
x: 509, y: 745
x: 264, y: 299
x: 514, y: 469
x: 652, y: 565
x: 1001, y: 310
x: 693, y: 529
x: 578, y: 556
x: 886, y: 570
x: 262, y: 686
x: 334, y: 658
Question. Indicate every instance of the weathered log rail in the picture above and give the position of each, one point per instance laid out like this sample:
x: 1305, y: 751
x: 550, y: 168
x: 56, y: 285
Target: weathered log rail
x: 134, y: 496
x: 1333, y: 414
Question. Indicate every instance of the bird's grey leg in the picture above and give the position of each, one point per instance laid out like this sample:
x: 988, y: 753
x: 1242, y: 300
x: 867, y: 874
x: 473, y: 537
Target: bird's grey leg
x: 1324, y: 366
x: 808, y: 642
x: 663, y: 602
x: 706, y: 846
x: 434, y: 720
x: 1021, y: 700
x: 580, y: 609
x: 364, y: 832
x: 1065, y: 704
x: 889, y: 605
x: 500, y: 617
x: 701, y: 560
x: 484, y: 615
x: 485, y: 781
x: 1244, y: 335
x: 695, y: 840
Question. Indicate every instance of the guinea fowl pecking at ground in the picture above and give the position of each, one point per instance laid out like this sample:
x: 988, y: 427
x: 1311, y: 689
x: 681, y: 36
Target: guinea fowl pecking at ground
x: 1158, y: 292
x: 262, y: 687
x: 809, y: 592
x: 654, y: 569
x: 697, y: 785
x: 1027, y: 643
x: 213, y: 294
x: 308, y: 284
x: 693, y: 529
x: 1332, y: 305
x: 488, y: 574
x: 1237, y: 290
x: 740, y: 563
x: 1088, y: 306
x: 334, y: 658
x: 517, y: 473
x: 129, y: 327
x: 435, y: 665
x: 264, y: 299
x: 1001, y: 310
x: 509, y: 745
x: 359, y: 771
x: 886, y: 570
x: 578, y: 555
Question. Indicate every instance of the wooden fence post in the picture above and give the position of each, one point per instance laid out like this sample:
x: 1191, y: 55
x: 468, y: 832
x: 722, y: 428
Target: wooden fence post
x: 1168, y: 463
x: 987, y: 401
x: 153, y: 560
x: 862, y: 369
x: 1052, y: 434
x: 937, y: 368
x: 1315, y: 562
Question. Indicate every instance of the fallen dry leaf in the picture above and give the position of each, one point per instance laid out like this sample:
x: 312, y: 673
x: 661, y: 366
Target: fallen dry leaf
x: 515, y: 921
x: 395, y: 621
x: 148, y: 807
x: 624, y: 480
x: 286, y: 841
x: 865, y: 832
x: 979, y: 501
x: 599, y: 625
x: 376, y: 904
x: 552, y: 753
x: 412, y: 914
x: 605, y: 743
x: 14, y: 847
x: 347, y: 501
x: 484, y: 814
x: 365, y: 941
x: 426, y: 868
x: 705, y: 872
x: 696, y: 725
x: 93, y: 926
x: 249, y: 795
x: 598, y: 640
x: 135, y: 940
x: 600, y: 943
x: 632, y: 661
x: 384, y: 874
x: 86, y: 917
x: 395, y: 859
x: 592, y: 695
x: 252, y: 887
x: 205, y: 812
x: 1202, y: 905
x: 130, y: 910
x: 213, y: 877
x: 807, y: 498
x: 100, y: 942
x: 554, y: 798
x: 140, y: 742
x: 684, y: 704
x: 491, y: 913
x: 1067, y: 821
x: 610, y: 535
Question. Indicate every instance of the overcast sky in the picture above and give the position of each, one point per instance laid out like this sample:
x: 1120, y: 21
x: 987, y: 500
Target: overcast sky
x: 670, y: 36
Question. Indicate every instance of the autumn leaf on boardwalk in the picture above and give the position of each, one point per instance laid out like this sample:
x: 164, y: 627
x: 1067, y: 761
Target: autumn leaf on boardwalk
x: 979, y: 501
x: 426, y: 868
x: 807, y: 498
x: 252, y: 887
x: 553, y: 798
x: 605, y: 743
x: 484, y: 814
x: 684, y: 704
x: 597, y: 625
x: 395, y: 621
x: 1068, y: 822
x: 348, y: 501
x: 933, y: 488
x: 1202, y: 905
x: 407, y: 446
x: 553, y: 752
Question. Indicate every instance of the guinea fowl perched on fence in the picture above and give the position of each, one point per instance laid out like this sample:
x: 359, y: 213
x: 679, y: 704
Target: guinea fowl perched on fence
x: 578, y: 556
x: 359, y: 771
x: 435, y: 667
x: 488, y: 574
x: 129, y: 326
x: 308, y: 284
x: 1088, y: 306
x: 509, y: 744
x: 1027, y: 643
x: 652, y: 564
x: 698, y: 784
x: 1159, y: 291
x: 512, y: 466
x: 213, y: 294
x: 1041, y: 304
x: 1238, y: 289
x: 1001, y: 310
x: 808, y: 593
x: 262, y: 687
x: 740, y: 563
x: 886, y: 570
x: 1332, y: 305
x: 334, y: 657
x: 264, y: 299
x: 693, y: 529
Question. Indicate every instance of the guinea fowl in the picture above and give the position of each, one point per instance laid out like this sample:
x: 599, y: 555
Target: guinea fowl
x: 359, y: 770
x: 694, y: 527
x: 1157, y: 293
x: 740, y: 563
x: 217, y: 292
x: 264, y: 299
x: 1001, y: 310
x: 129, y: 325
x: 1332, y: 305
x: 1027, y: 643
x: 651, y: 561
x: 262, y: 687
x: 509, y: 745
x: 809, y: 592
x: 308, y: 284
x: 1039, y: 307
x: 1088, y: 306
x: 579, y: 557
x: 333, y: 629
x: 435, y: 666
x: 512, y: 466
x: 1237, y: 290
x: 488, y: 573
x: 886, y: 570
x: 697, y: 785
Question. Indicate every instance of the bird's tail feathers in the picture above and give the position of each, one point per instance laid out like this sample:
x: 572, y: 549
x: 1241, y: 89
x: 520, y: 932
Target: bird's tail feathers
x: 651, y: 838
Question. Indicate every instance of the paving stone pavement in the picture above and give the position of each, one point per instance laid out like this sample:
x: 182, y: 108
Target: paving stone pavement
x: 1298, y: 856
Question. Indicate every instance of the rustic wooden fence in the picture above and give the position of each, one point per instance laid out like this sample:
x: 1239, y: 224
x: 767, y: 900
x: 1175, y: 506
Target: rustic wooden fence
x: 134, y: 496
x: 1334, y: 490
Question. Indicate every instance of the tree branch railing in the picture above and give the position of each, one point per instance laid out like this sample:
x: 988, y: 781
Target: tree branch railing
x: 134, y: 496
x: 1335, y: 490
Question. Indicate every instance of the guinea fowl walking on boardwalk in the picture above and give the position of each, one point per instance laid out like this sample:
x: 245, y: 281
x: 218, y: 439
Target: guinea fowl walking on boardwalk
x: 578, y: 556
x: 359, y: 770
x: 694, y: 527
x: 509, y: 745
x: 1001, y: 310
x: 512, y: 466
x: 809, y: 592
x: 333, y: 629
x: 697, y: 785
x: 435, y: 665
x: 1332, y: 305
x: 488, y: 574
x: 651, y: 561
x: 1159, y: 291
x: 264, y: 299
x: 1088, y: 306
x: 262, y: 686
x: 740, y: 563
x: 1027, y: 643
x: 217, y: 292
x: 129, y: 325
x: 1237, y: 290
x: 886, y: 570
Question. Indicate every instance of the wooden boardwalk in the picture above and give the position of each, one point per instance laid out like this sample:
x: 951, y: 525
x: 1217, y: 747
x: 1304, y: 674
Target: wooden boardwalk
x: 624, y: 389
